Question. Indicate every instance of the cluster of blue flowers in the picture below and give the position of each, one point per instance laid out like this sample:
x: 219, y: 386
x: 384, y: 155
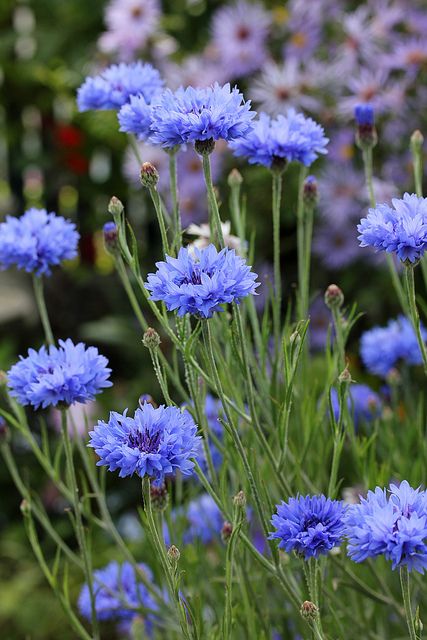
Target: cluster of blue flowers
x: 400, y: 229
x: 383, y: 348
x: 285, y: 138
x: 60, y: 375
x: 156, y: 442
x: 37, y: 241
x: 202, y: 282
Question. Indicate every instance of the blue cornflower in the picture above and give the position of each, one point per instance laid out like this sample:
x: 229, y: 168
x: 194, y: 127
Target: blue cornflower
x: 200, y: 282
x: 194, y: 115
x: 364, y: 114
x: 392, y: 525
x: 135, y: 117
x: 363, y: 404
x: 118, y: 593
x: 37, y: 241
x: 287, y: 138
x: 59, y: 375
x: 310, y: 525
x: 401, y: 229
x: 115, y: 85
x: 205, y: 520
x: 156, y: 442
x: 382, y: 348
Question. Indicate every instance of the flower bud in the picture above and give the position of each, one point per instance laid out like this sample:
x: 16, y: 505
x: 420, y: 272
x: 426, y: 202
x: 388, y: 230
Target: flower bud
x: 310, y: 192
x: 25, y: 507
x: 366, y: 134
x: 204, y: 147
x: 226, y: 531
x: 309, y: 611
x: 149, y: 175
x: 111, y: 237
x: 174, y: 555
x: 115, y: 207
x: 234, y: 178
x: 417, y: 141
x: 151, y: 339
x: 334, y: 297
x: 145, y: 398
x: 159, y: 497
x: 239, y: 500
x: 345, y: 377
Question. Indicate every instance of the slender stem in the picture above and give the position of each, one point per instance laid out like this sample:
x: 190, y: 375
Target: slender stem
x: 134, y: 146
x: 406, y: 593
x: 41, y: 306
x: 160, y: 218
x: 215, y: 219
x: 173, y: 179
x: 277, y: 299
x: 415, y: 318
x: 302, y: 245
x: 78, y: 520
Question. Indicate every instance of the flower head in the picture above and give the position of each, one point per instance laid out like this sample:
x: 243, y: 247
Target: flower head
x: 59, y: 375
x: 37, y: 241
x: 310, y: 525
x: 117, y: 593
x: 193, y: 115
x: 364, y: 114
x: 285, y: 138
x: 135, y: 117
x: 200, y: 282
x: 401, y: 229
x: 156, y: 442
x: 382, y: 348
x: 393, y: 524
x: 115, y: 85
x: 364, y: 405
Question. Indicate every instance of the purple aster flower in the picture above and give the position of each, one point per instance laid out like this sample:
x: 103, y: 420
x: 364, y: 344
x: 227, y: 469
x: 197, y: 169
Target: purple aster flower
x: 239, y: 34
x: 59, y: 375
x: 193, y: 115
x: 311, y: 525
x: 336, y: 244
x: 205, y: 520
x: 341, y: 145
x: 135, y: 117
x: 364, y: 405
x: 291, y: 138
x: 115, y: 85
x: 130, y: 23
x: 201, y: 282
x: 401, y: 230
x: 198, y: 71
x: 342, y: 194
x: 118, y: 593
x: 409, y: 55
x: 303, y: 30
x: 382, y: 348
x: 155, y: 442
x: 393, y: 525
x: 37, y: 241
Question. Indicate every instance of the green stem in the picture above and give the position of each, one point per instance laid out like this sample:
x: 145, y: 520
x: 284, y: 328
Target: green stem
x: 173, y: 179
x: 215, y: 219
x: 78, y: 520
x: 277, y: 299
x: 415, y: 318
x: 406, y: 593
x: 41, y: 306
x: 160, y: 218
x: 302, y: 245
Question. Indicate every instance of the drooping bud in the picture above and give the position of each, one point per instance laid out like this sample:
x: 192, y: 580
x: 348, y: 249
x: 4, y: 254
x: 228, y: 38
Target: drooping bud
x: 115, y: 207
x: 417, y: 141
x: 149, y: 175
x: 174, y: 555
x: 204, y: 147
x: 145, y: 398
x: 234, y: 178
x: 310, y: 192
x: 159, y: 497
x: 345, y: 377
x: 366, y: 134
x: 309, y: 611
x: 151, y: 339
x: 226, y: 531
x: 239, y: 500
x: 111, y: 237
x: 334, y: 297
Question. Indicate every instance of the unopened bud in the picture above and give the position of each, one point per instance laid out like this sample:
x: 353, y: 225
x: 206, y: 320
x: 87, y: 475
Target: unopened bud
x: 234, y: 178
x: 295, y: 339
x: 310, y: 193
x: 334, y: 297
x: 226, y: 531
x: 417, y: 141
x: 393, y: 377
x: 159, y: 497
x: 111, y: 237
x: 309, y: 611
x: 149, y: 175
x: 204, y: 147
x: 25, y: 507
x: 345, y: 377
x: 174, y: 555
x: 145, y: 398
x: 115, y: 207
x: 151, y: 339
x: 239, y: 500
x: 366, y: 134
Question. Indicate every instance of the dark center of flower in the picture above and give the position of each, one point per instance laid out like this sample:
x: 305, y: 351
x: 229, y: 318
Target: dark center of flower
x: 415, y: 57
x: 311, y: 522
x: 282, y: 93
x: 243, y: 33
x: 145, y: 441
x: 137, y: 12
x: 368, y: 93
x: 339, y: 241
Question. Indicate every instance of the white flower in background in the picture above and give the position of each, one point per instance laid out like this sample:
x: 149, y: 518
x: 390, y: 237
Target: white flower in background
x: 203, y: 240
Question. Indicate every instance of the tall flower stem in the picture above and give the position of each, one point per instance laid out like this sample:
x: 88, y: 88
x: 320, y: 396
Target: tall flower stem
x: 214, y: 217
x: 277, y: 299
x: 41, y: 306
x: 155, y: 197
x: 415, y: 318
x: 80, y: 533
x: 303, y: 259
x: 173, y: 179
x: 406, y: 593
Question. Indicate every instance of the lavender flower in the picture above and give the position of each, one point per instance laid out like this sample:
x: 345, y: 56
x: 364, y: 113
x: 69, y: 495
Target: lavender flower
x: 155, y: 442
x: 382, y: 348
x: 115, y: 85
x: 201, y: 283
x: 59, y: 375
x: 205, y: 520
x: 401, y: 229
x: 336, y: 244
x: 310, y: 525
x: 290, y: 138
x: 194, y: 115
x: 135, y: 117
x: 37, y: 241
x: 364, y: 405
x: 394, y: 526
